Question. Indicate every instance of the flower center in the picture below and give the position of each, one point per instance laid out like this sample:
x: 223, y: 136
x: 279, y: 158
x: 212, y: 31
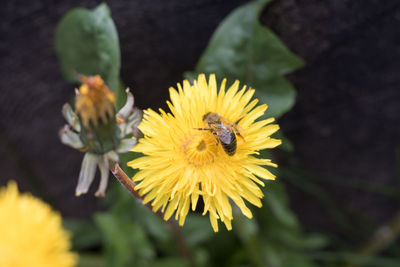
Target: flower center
x: 200, y: 148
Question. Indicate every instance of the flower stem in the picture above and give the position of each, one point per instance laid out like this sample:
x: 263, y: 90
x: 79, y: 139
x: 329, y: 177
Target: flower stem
x: 175, y: 230
x: 383, y: 237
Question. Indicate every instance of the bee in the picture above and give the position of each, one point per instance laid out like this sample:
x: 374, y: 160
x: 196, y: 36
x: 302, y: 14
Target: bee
x: 223, y: 130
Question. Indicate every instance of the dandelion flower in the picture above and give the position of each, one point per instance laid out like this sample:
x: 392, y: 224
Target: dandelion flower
x: 182, y: 162
x: 31, y: 234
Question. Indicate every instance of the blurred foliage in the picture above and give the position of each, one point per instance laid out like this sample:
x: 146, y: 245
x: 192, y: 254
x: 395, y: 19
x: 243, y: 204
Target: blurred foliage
x: 86, y: 42
x: 242, y: 49
x: 128, y: 234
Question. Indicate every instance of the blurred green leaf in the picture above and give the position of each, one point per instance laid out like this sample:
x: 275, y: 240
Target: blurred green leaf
x: 247, y: 231
x: 275, y: 198
x: 201, y: 256
x: 91, y: 260
x: 170, y: 262
x: 125, y: 206
x: 278, y: 256
x: 224, y: 248
x: 286, y: 145
x: 125, y: 242
x: 281, y: 235
x: 85, y: 234
x: 341, y: 258
x: 241, y: 48
x: 86, y: 42
x: 197, y: 229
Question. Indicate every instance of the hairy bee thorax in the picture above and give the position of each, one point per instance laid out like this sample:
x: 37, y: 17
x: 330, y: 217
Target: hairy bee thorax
x: 211, y: 118
x: 223, y: 130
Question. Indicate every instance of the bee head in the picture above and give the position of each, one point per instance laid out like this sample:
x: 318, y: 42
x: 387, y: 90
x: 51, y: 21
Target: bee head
x: 211, y: 118
x: 205, y: 116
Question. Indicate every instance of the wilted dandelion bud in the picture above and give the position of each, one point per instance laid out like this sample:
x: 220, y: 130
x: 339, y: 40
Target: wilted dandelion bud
x: 95, y: 107
x: 96, y: 128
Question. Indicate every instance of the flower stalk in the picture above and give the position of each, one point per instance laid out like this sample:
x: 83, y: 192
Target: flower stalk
x: 175, y: 229
x: 383, y: 237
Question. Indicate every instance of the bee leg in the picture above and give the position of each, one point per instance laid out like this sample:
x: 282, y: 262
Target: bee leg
x: 209, y: 129
x: 237, y: 132
x: 216, y: 138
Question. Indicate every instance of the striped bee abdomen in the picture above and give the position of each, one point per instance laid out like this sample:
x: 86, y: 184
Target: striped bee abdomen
x: 229, y: 147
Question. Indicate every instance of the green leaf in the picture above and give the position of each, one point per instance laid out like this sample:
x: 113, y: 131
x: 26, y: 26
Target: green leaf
x: 86, y: 42
x: 197, y: 229
x: 276, y: 200
x: 286, y: 145
x: 84, y: 233
x: 345, y: 258
x: 277, y: 92
x: 90, y: 260
x: 126, y: 207
x: 241, y: 48
x: 125, y: 242
x: 170, y: 262
x: 248, y: 232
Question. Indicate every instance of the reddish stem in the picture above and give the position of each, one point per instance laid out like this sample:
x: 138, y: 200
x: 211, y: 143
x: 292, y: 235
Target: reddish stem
x: 175, y: 229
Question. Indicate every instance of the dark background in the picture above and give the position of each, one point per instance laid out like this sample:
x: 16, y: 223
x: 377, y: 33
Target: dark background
x: 345, y: 125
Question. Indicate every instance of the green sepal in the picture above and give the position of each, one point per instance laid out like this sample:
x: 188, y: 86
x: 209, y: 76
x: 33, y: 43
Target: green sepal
x: 101, y: 138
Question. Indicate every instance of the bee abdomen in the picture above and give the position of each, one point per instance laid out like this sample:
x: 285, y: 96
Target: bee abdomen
x: 230, y: 148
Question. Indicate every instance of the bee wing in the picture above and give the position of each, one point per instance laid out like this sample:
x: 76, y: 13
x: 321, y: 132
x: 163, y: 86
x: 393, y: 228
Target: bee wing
x: 236, y: 128
x: 225, y: 137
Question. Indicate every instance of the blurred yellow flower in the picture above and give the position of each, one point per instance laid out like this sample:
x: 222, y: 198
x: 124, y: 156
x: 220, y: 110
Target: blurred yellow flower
x: 184, y: 155
x: 31, y: 234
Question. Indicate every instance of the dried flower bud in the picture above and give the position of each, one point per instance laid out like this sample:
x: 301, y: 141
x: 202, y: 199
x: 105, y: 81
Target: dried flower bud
x: 95, y: 108
x: 94, y: 103
x: 97, y: 129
